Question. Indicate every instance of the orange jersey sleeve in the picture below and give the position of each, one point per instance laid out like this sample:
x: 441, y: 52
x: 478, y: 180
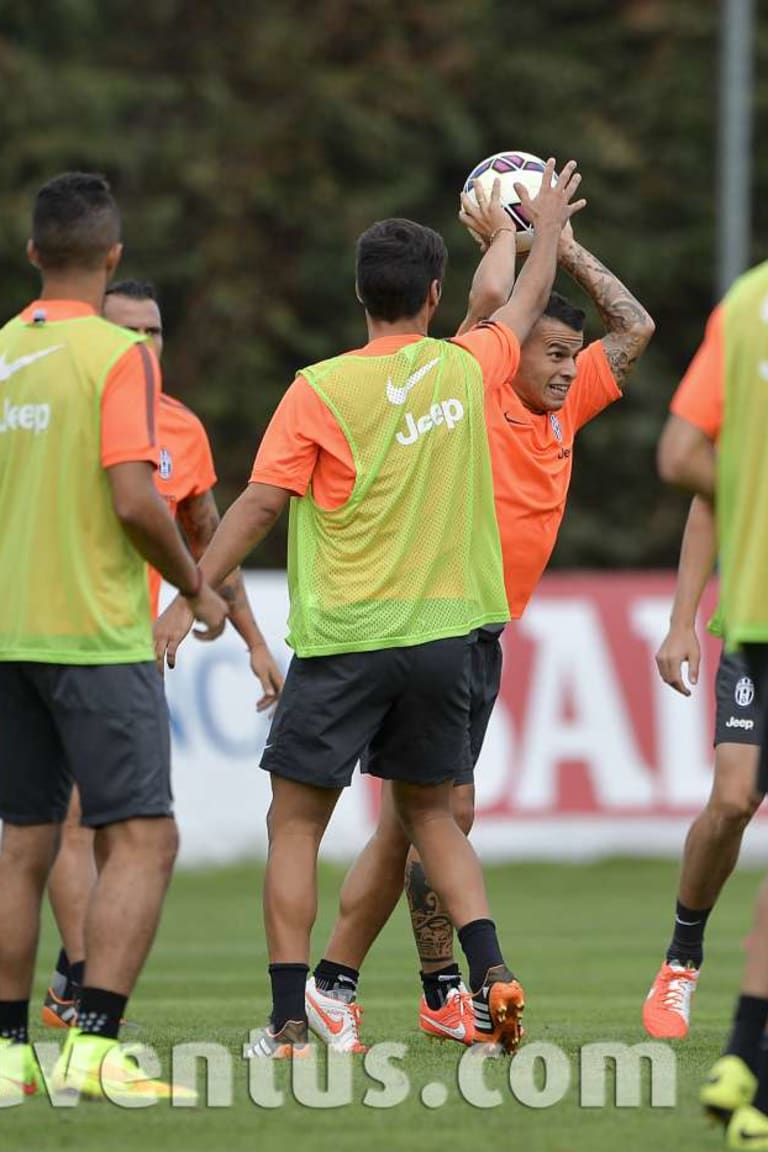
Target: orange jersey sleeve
x: 204, y: 477
x: 699, y: 397
x: 496, y: 349
x: 595, y: 386
x: 304, y: 445
x: 129, y: 408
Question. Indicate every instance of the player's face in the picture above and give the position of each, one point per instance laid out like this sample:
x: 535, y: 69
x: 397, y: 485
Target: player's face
x: 547, y: 365
x: 138, y: 315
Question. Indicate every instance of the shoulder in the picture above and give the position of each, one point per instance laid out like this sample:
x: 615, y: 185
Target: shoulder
x: 177, y: 420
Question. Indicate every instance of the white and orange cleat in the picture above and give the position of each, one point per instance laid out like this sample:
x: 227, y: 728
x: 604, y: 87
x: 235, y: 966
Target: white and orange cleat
x: 498, y: 1007
x: 454, y: 1021
x: 667, y: 1008
x: 336, y: 1022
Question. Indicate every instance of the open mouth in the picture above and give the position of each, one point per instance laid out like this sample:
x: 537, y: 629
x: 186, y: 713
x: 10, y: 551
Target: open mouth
x: 560, y: 389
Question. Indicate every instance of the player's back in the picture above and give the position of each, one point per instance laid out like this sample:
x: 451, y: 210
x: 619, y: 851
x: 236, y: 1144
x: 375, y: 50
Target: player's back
x: 68, y: 574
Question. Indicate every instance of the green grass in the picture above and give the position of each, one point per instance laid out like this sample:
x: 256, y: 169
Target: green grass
x: 585, y: 940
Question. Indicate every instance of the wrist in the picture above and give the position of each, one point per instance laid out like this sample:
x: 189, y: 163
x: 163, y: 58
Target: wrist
x: 193, y: 592
x: 497, y: 232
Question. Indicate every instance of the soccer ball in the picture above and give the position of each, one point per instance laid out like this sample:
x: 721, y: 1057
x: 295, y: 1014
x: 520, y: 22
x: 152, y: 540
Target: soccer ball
x: 511, y: 168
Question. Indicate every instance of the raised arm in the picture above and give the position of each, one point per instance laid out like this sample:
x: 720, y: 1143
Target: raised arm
x: 494, y: 279
x: 628, y: 326
x: 697, y: 561
x: 550, y: 211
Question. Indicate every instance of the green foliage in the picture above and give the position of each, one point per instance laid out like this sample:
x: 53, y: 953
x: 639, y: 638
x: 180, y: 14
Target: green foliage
x: 249, y: 144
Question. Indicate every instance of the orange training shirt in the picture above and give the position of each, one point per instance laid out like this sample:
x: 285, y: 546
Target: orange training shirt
x: 532, y: 460
x: 185, y: 466
x: 699, y: 396
x: 304, y: 444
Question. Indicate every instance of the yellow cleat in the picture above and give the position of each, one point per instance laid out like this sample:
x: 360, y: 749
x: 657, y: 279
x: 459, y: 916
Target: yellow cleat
x: 748, y: 1129
x: 99, y: 1068
x: 730, y: 1086
x: 19, y: 1073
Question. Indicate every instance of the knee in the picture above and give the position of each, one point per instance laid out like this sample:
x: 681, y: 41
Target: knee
x: 149, y: 839
x: 30, y: 851
x: 734, y: 810
x: 464, y: 809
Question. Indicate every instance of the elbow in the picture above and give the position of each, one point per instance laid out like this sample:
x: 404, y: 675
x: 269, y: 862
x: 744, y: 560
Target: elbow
x: 646, y: 329
x: 672, y: 463
x: 130, y: 509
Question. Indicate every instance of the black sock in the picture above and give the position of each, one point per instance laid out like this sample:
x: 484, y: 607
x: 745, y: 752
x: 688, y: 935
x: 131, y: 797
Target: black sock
x: 100, y: 1012
x: 75, y: 980
x: 14, y: 1020
x: 337, y: 980
x: 687, y: 946
x: 481, y: 948
x: 438, y: 984
x: 748, y: 1028
x: 288, y: 981
x: 61, y: 975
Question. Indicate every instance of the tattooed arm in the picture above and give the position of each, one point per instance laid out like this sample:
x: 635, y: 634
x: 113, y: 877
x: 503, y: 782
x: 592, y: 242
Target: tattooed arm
x: 199, y: 519
x: 629, y: 328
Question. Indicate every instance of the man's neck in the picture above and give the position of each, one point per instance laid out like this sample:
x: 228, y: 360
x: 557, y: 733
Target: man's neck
x: 87, y: 288
x: 408, y: 326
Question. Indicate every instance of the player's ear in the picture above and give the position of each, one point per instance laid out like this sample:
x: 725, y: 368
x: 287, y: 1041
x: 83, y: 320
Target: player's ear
x: 357, y: 294
x: 32, y: 255
x: 435, y: 292
x: 112, y: 260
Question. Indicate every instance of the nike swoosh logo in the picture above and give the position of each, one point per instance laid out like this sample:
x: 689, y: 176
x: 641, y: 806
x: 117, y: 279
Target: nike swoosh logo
x: 742, y: 1135
x: 334, y: 1026
x: 400, y: 395
x: 510, y: 420
x: 457, y: 1033
x: 10, y: 368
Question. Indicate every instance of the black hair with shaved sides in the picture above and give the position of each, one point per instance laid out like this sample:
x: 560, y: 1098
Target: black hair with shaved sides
x: 134, y: 289
x: 75, y: 222
x: 558, y: 308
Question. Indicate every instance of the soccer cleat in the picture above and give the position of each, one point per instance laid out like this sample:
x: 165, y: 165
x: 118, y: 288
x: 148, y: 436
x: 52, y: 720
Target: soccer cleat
x: 498, y: 1006
x: 57, y: 1013
x: 455, y: 1020
x: 335, y: 1022
x: 748, y: 1129
x: 290, y: 1043
x: 667, y: 1008
x: 730, y: 1086
x: 100, y: 1068
x: 19, y: 1072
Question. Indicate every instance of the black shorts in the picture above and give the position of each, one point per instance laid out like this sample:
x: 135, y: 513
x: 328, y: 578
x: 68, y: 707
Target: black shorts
x: 408, y: 707
x: 103, y: 726
x: 485, y: 685
x: 756, y: 659
x: 738, y: 717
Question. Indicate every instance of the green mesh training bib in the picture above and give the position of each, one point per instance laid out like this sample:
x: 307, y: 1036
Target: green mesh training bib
x: 742, y: 495
x: 414, y: 554
x: 73, y: 590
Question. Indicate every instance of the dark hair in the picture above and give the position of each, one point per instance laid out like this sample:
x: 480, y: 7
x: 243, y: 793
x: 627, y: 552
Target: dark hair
x: 135, y: 289
x: 558, y: 308
x: 397, y: 261
x: 75, y: 221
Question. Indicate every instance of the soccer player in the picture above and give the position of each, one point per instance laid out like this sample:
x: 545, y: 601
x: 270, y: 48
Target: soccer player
x: 736, y: 478
x: 393, y: 561
x: 533, y: 417
x: 714, y: 839
x: 80, y: 695
x: 185, y: 479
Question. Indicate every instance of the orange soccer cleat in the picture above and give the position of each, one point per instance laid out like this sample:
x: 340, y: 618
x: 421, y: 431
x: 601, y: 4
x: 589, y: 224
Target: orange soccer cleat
x: 667, y: 1008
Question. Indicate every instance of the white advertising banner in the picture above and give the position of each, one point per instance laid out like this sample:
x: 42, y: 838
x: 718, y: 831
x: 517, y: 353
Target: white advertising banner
x: 587, y: 754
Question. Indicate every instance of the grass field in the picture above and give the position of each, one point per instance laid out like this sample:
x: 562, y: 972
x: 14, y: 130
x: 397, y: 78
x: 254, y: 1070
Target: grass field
x: 585, y: 941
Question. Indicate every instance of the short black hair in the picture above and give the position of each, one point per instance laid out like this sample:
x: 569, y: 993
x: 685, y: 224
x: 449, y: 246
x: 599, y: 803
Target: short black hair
x: 135, y: 289
x: 75, y: 221
x: 558, y: 308
x: 397, y: 260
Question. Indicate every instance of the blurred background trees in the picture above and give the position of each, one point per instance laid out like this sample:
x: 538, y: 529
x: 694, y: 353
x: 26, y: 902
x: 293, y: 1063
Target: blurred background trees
x: 249, y: 144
